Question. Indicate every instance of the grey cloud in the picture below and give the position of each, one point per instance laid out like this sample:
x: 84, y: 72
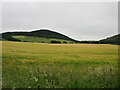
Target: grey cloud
x: 81, y: 21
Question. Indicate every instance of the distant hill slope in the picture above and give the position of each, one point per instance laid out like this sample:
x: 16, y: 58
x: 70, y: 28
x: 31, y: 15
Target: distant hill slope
x: 40, y: 39
x: 112, y: 40
x: 47, y: 36
x: 38, y: 33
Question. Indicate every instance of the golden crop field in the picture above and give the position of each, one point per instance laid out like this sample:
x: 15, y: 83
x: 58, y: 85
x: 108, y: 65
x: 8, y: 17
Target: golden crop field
x: 41, y: 65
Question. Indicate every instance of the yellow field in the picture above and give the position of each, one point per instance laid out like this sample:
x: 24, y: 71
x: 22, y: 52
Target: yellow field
x: 41, y: 65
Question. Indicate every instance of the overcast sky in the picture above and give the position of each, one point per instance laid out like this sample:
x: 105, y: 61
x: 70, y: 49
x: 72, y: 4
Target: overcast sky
x: 78, y: 20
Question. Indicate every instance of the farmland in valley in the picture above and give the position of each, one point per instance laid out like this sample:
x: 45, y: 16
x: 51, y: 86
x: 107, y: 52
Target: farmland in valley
x: 43, y: 65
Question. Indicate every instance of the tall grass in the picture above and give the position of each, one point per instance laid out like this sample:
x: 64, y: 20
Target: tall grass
x: 35, y: 65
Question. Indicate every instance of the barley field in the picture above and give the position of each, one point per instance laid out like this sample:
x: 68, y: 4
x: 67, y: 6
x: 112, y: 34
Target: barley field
x: 42, y: 65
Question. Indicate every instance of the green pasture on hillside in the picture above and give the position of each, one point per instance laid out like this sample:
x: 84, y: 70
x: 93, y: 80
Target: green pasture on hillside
x: 39, y: 39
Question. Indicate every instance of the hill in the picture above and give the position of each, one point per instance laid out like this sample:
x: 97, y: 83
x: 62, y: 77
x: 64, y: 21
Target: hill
x: 111, y: 40
x: 48, y: 36
x: 41, y: 34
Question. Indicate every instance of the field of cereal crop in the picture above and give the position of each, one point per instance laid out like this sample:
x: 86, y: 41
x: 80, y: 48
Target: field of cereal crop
x: 42, y: 65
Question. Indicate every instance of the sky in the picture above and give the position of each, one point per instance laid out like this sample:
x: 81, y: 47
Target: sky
x: 78, y: 20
